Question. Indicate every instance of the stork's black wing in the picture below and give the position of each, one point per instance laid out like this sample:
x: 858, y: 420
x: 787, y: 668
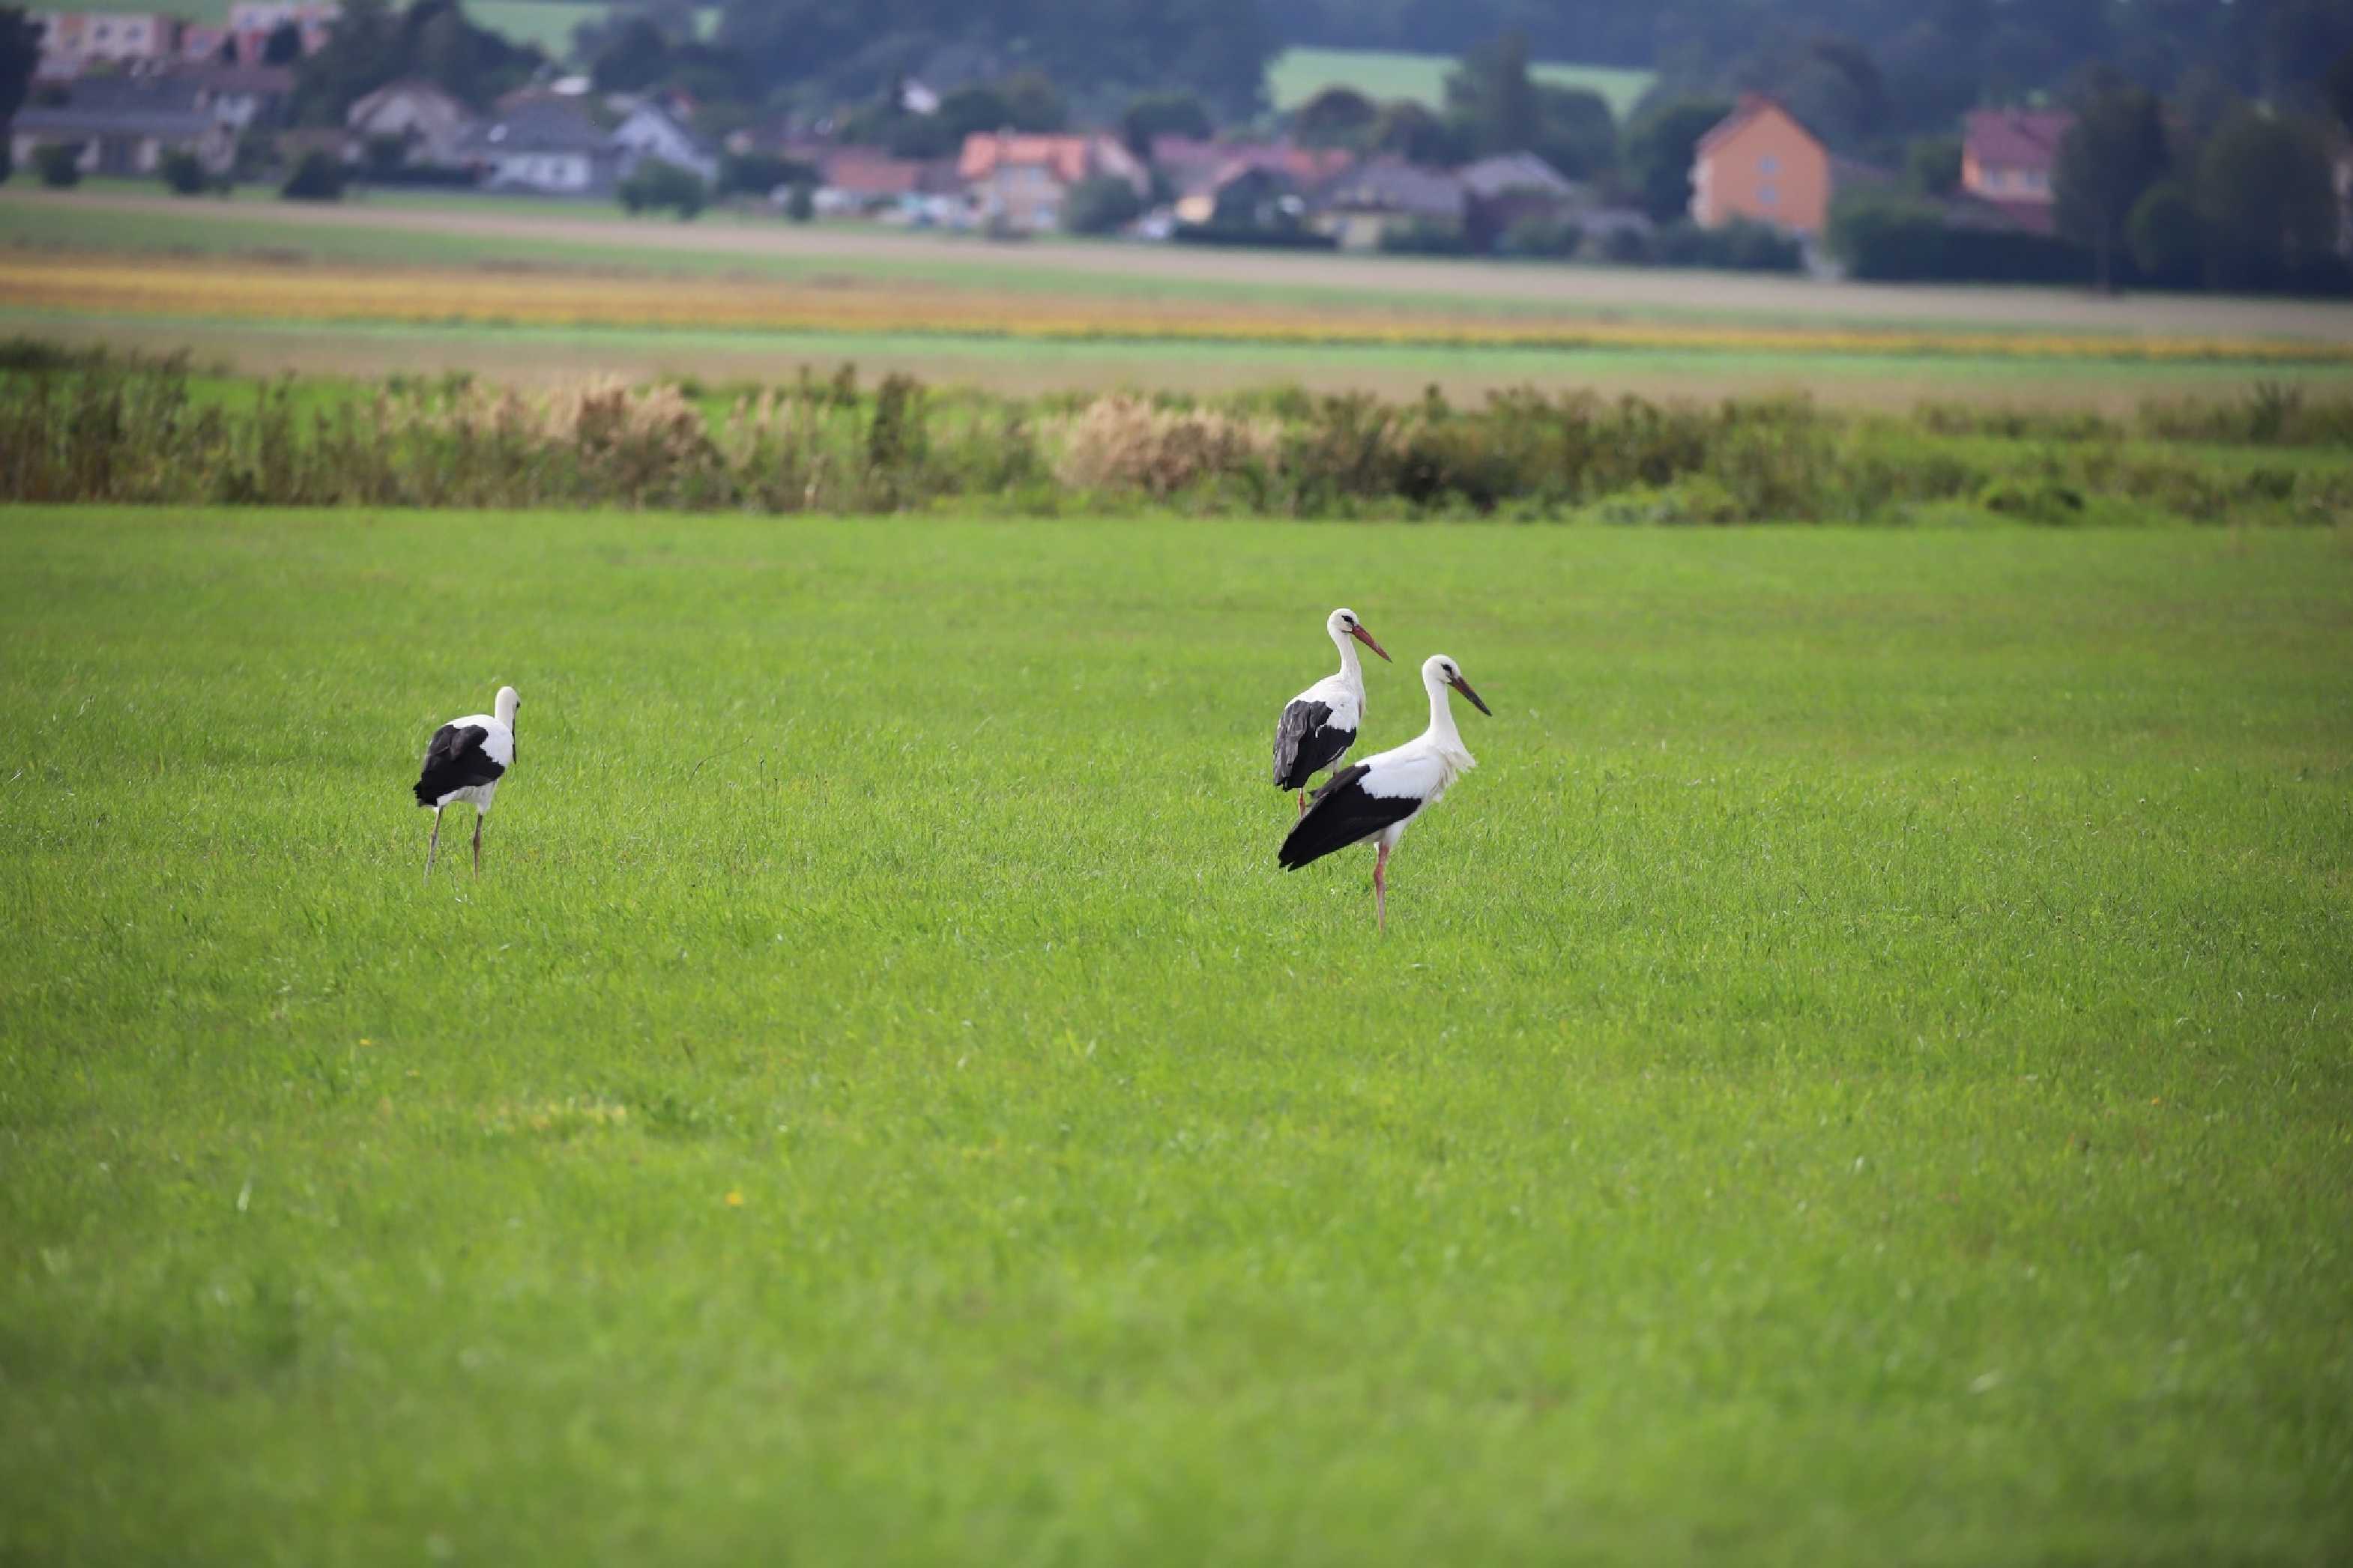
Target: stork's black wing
x: 1343, y: 814
x: 1306, y: 742
x: 454, y: 760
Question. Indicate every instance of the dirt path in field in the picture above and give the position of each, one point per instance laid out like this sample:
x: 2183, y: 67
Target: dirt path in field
x: 1579, y: 291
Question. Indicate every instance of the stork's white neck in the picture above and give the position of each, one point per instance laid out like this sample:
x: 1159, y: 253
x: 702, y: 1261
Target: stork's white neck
x: 1350, y: 671
x: 1441, y: 714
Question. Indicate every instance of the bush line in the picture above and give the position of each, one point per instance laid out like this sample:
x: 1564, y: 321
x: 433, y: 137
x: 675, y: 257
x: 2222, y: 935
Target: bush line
x: 93, y: 427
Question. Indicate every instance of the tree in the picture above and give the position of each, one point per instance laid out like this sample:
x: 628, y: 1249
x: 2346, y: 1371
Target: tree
x: 657, y: 186
x: 283, y: 47
x: 318, y: 178
x: 1931, y: 165
x: 59, y: 162
x: 1493, y: 98
x: 635, y: 55
x: 2165, y: 235
x: 20, y: 56
x: 1576, y: 132
x: 801, y: 204
x: 183, y: 172
x: 1163, y: 114
x: 1031, y: 103
x: 1413, y: 133
x: 2265, y: 198
x: 2337, y: 88
x: 1101, y: 205
x: 1660, y: 142
x: 1335, y: 117
x: 2113, y: 154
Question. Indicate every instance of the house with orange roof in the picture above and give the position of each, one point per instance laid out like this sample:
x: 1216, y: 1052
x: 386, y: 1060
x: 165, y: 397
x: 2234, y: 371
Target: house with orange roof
x: 1759, y: 163
x: 1018, y: 180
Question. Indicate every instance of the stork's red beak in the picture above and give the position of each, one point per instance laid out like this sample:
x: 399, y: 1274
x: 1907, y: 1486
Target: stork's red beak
x: 1464, y: 687
x: 1362, y: 636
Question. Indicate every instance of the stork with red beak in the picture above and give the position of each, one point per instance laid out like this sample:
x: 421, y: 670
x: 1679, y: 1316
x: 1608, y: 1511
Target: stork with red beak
x: 1379, y: 797
x: 1321, y: 722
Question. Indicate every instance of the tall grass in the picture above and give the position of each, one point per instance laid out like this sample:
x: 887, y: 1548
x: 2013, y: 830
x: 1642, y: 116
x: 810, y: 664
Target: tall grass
x: 91, y: 429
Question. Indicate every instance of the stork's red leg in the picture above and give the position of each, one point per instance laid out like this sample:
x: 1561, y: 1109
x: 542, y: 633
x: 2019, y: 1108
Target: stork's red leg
x: 1381, y: 887
x: 1303, y: 803
x: 433, y: 844
x: 478, y: 843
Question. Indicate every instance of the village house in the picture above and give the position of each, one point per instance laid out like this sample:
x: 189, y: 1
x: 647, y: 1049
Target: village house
x: 648, y: 131
x: 858, y: 181
x: 251, y: 22
x: 125, y: 125
x: 1503, y: 190
x: 1760, y: 164
x: 243, y: 98
x: 73, y: 41
x: 428, y: 122
x: 541, y: 143
x: 1019, y: 182
x: 1225, y: 183
x: 1384, y: 196
x: 2007, y: 157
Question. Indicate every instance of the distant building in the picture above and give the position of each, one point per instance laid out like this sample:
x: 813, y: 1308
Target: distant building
x: 1759, y: 163
x: 243, y: 98
x: 1218, y: 182
x: 545, y: 144
x: 2007, y: 159
x: 1503, y: 190
x: 1386, y: 196
x: 859, y: 180
x: 73, y: 41
x: 1020, y: 181
x: 315, y: 19
x: 432, y: 125
x: 126, y: 125
x: 648, y: 131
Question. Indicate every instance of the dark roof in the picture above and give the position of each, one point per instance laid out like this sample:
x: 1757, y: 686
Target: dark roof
x: 175, y: 93
x: 1392, y: 184
x: 538, y: 125
x: 75, y: 122
x: 2016, y: 138
x: 1492, y: 177
x: 259, y: 80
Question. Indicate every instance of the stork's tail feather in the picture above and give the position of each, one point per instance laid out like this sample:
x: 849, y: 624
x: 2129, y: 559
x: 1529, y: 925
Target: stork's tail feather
x: 425, y: 793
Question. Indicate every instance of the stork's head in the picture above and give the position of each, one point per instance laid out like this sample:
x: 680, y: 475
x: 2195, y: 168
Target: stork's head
x: 1439, y: 670
x: 504, y: 709
x: 1345, y: 624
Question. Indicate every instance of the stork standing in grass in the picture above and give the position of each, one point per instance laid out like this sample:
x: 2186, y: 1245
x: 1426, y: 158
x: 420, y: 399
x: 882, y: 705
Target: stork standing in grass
x: 1379, y: 797
x: 1320, y: 724
x: 465, y: 761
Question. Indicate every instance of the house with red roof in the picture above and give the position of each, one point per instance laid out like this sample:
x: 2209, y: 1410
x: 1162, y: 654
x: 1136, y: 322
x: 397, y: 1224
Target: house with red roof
x: 2007, y: 158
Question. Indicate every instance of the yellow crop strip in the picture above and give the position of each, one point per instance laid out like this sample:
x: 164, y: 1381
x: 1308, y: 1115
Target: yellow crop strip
x: 118, y: 286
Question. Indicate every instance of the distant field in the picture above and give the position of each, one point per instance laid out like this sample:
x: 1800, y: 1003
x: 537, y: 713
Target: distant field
x: 534, y: 290
x: 1298, y: 75
x: 548, y: 23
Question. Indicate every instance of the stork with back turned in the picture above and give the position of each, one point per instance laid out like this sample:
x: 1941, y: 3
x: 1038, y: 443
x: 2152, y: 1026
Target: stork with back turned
x: 1379, y: 798
x: 1320, y: 724
x: 464, y: 762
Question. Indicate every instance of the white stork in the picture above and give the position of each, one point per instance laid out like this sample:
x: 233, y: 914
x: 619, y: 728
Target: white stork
x: 1320, y: 724
x: 1379, y: 797
x: 465, y: 761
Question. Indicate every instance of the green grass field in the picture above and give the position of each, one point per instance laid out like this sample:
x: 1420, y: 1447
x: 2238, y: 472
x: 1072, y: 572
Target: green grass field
x: 1858, y: 1073
x: 1383, y: 74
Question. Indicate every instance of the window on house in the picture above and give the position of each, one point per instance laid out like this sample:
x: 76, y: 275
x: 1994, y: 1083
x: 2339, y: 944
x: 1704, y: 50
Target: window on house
x: 1769, y: 195
x: 1769, y: 164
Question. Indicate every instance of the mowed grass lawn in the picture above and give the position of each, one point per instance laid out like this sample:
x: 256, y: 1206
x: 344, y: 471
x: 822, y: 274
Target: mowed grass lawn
x: 1859, y: 1072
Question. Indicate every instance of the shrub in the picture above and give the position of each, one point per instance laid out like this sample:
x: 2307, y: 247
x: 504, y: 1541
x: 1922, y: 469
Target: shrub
x: 318, y: 178
x: 1101, y: 205
x: 658, y: 185
x: 1123, y: 442
x: 800, y: 206
x: 184, y: 173
x: 760, y: 173
x: 1425, y: 236
x: 1534, y: 234
x: 59, y: 162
